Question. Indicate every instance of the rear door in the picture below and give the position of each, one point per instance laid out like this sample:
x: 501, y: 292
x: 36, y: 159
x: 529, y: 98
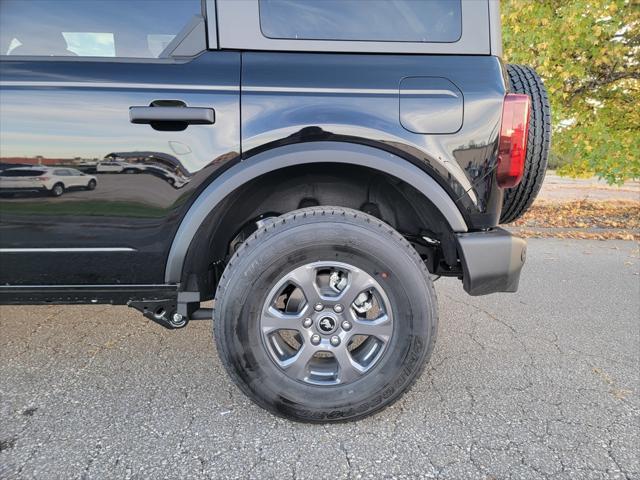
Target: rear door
x: 82, y: 80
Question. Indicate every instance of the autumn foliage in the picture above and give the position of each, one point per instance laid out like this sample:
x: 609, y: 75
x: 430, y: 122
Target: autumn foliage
x: 588, y: 54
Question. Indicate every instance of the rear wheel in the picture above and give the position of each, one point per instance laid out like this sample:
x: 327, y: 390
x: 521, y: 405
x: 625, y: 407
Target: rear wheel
x: 57, y: 190
x: 325, y: 314
x: 91, y: 185
x: 517, y: 200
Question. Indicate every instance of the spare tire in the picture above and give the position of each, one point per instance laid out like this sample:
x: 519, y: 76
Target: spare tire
x: 518, y: 199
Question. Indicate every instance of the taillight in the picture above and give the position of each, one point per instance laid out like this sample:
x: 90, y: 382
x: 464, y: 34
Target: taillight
x: 43, y: 179
x: 514, y: 130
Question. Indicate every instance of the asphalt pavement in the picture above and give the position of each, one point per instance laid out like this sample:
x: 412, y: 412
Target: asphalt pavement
x: 562, y: 189
x: 544, y: 383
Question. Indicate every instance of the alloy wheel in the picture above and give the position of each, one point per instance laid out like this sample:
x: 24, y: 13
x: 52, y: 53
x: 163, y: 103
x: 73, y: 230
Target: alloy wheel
x: 326, y: 323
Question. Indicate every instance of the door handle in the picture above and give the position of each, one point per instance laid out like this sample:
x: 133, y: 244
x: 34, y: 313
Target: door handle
x: 172, y: 115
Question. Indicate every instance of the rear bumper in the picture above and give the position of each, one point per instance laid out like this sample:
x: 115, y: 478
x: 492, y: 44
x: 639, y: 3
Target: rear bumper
x: 491, y: 261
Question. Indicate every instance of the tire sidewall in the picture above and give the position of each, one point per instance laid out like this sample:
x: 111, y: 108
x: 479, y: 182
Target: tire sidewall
x: 267, y: 259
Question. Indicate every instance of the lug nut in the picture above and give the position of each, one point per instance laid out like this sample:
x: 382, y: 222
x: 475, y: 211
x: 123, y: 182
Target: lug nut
x: 315, y: 339
x: 346, y: 325
x: 338, y: 308
x: 318, y: 307
x: 335, y: 340
x: 307, y: 322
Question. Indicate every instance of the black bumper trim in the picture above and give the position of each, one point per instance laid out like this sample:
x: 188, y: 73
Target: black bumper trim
x: 491, y: 261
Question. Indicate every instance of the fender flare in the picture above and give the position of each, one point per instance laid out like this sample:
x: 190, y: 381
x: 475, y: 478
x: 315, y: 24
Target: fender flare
x: 302, y: 154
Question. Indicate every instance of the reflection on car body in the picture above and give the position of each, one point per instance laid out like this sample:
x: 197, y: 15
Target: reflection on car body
x: 171, y: 178
x: 44, y: 179
x: 115, y: 166
x: 159, y: 164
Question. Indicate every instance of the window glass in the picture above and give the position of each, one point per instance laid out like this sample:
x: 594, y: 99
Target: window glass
x: 370, y: 20
x: 90, y: 44
x: 22, y: 173
x: 93, y: 28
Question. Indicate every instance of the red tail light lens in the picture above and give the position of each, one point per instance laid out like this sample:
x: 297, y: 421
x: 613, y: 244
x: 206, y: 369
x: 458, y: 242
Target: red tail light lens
x: 42, y: 179
x: 514, y: 130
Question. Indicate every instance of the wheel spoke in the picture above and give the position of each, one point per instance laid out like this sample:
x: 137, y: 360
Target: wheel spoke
x: 380, y: 328
x: 296, y: 366
x: 305, y: 278
x: 348, y: 369
x: 273, y: 319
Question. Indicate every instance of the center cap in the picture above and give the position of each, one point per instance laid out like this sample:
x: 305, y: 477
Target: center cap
x: 327, y: 324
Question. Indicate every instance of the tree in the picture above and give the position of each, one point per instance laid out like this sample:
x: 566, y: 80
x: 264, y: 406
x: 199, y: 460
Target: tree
x: 588, y: 54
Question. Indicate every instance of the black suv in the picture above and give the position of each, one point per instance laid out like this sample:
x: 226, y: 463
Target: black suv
x: 310, y: 165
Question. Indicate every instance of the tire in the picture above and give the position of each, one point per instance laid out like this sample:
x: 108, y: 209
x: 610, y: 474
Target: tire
x: 57, y: 190
x: 129, y: 171
x: 92, y: 185
x: 517, y: 200
x: 309, y: 240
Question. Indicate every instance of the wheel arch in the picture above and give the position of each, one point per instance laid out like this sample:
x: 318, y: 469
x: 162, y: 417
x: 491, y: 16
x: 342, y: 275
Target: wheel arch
x: 309, y: 153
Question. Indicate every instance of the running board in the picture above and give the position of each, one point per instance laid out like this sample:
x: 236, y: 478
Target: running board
x: 83, y: 294
x: 161, y: 303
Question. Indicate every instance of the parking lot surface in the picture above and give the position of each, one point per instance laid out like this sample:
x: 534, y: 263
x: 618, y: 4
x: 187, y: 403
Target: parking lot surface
x: 539, y: 384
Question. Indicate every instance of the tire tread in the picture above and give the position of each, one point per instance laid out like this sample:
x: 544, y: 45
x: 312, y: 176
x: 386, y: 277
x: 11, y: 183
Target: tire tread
x: 517, y: 200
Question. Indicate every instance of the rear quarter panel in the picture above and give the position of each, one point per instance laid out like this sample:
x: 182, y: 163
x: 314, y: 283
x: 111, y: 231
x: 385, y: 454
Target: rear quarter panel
x: 301, y: 97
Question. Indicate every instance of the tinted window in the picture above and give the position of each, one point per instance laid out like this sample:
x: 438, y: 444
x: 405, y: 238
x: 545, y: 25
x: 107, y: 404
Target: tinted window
x: 22, y: 173
x: 370, y: 20
x: 93, y: 28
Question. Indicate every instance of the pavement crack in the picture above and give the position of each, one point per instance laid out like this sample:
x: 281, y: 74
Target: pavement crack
x: 185, y: 432
x: 613, y: 458
x: 343, y: 449
x: 7, y: 444
x: 486, y: 312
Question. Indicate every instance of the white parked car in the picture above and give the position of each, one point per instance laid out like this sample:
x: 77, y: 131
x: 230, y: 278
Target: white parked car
x: 115, y: 166
x: 50, y: 179
x: 177, y: 181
